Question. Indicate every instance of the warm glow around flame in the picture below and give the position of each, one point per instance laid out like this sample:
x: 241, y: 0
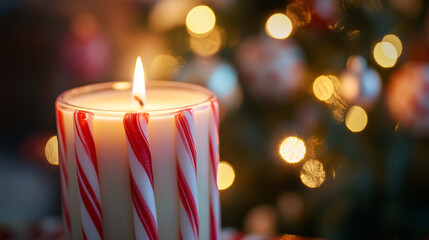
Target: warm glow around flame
x: 139, y: 88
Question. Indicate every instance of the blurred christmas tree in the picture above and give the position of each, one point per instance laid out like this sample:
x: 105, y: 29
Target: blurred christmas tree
x: 324, y: 103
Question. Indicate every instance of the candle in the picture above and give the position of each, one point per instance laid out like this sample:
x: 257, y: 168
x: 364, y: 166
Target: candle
x: 122, y: 156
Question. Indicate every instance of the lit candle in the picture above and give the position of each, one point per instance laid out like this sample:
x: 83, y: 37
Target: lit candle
x: 97, y: 157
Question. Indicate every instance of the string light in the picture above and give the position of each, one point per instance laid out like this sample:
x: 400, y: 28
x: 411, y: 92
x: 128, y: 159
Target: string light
x: 225, y: 175
x: 323, y: 88
x: 312, y: 174
x: 356, y: 119
x: 395, y: 41
x: 385, y: 54
x: 292, y: 149
x: 278, y: 26
x: 200, y: 20
x: 51, y: 150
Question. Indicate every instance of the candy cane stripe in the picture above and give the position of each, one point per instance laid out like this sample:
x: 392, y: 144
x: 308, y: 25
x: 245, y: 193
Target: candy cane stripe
x: 63, y: 170
x: 187, y: 175
x: 187, y: 139
x: 139, y: 143
x: 143, y: 212
x: 189, y: 203
x: 88, y: 178
x: 141, y: 176
x: 91, y: 210
x: 214, y: 160
x: 84, y: 133
x: 86, y: 186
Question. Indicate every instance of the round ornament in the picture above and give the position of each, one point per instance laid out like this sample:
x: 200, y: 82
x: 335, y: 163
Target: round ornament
x: 408, y: 97
x: 85, y: 52
x: 360, y: 85
x: 270, y: 70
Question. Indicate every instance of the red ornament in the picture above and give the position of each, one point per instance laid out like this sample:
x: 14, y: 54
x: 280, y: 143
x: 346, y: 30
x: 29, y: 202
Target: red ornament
x: 87, y: 58
x: 271, y: 70
x: 85, y: 53
x: 408, y: 97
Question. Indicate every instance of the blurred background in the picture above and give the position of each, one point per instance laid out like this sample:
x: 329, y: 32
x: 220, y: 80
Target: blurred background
x: 324, y: 105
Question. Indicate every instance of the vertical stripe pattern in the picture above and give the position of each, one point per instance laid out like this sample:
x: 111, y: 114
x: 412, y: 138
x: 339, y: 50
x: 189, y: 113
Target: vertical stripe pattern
x: 140, y: 162
x: 63, y: 171
x: 214, y: 161
x: 187, y: 175
x: 88, y: 178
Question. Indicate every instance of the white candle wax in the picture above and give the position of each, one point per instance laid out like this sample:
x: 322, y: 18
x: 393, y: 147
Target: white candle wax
x: 109, y: 102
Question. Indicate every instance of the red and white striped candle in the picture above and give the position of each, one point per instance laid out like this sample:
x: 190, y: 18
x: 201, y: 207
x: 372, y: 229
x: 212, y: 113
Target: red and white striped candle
x: 187, y: 175
x: 88, y: 176
x: 140, y: 172
x: 140, y: 159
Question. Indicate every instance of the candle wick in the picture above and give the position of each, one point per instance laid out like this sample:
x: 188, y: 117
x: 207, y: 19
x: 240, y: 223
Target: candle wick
x: 140, y: 101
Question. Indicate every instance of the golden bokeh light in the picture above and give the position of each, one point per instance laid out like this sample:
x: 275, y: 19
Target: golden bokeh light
x: 207, y: 45
x: 51, y: 150
x: 163, y: 67
x: 395, y: 41
x: 292, y: 149
x: 335, y: 101
x: 225, y: 175
x: 323, y: 88
x: 278, y: 26
x: 200, y: 20
x: 312, y: 173
x: 385, y: 54
x: 356, y: 119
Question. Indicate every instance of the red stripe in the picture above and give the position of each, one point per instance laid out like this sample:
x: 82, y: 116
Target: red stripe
x: 186, y: 135
x: 215, y: 110
x: 91, y: 210
x: 60, y: 118
x: 85, y: 135
x: 85, y: 182
x: 84, y: 236
x: 65, y: 212
x: 62, y: 162
x: 213, y: 159
x: 62, y: 143
x: 143, y: 212
x: 138, y: 141
x: 213, y: 223
x: 188, y: 201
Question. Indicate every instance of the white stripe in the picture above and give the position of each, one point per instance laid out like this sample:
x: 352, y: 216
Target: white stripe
x: 86, y: 192
x: 185, y: 225
x: 85, y: 160
x: 139, y: 230
x: 87, y: 224
x: 143, y: 183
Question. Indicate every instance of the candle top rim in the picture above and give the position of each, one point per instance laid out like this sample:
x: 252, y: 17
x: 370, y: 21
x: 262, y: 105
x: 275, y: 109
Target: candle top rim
x: 63, y: 100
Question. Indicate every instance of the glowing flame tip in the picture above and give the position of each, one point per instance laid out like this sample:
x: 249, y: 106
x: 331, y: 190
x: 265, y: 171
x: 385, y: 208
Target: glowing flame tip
x: 139, y: 88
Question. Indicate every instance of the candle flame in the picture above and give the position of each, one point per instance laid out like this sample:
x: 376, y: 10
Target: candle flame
x: 139, y: 88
